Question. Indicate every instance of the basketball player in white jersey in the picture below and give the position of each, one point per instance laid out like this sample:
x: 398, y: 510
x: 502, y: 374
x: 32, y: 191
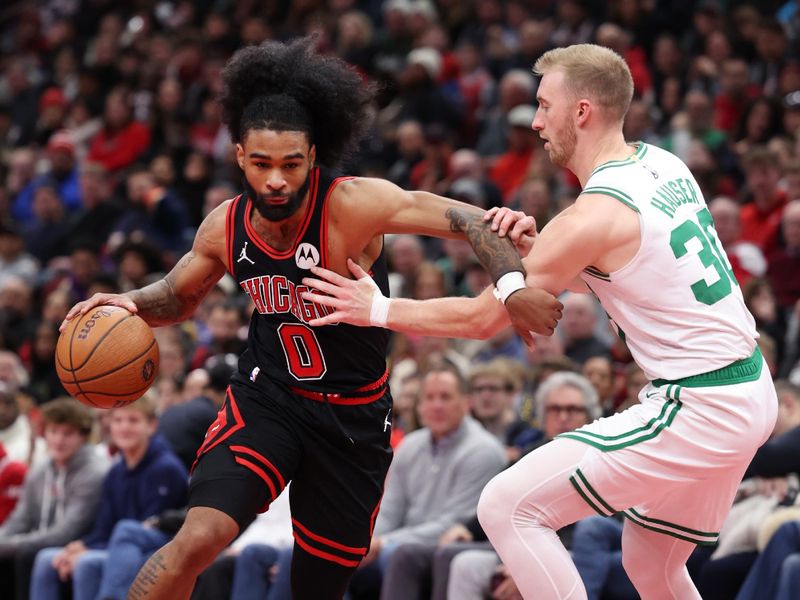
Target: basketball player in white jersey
x: 640, y: 238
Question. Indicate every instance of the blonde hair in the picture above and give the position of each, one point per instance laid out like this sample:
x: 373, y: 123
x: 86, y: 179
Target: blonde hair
x: 592, y: 72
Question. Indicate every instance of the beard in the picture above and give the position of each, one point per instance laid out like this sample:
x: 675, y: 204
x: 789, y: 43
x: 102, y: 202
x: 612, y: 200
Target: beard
x: 277, y: 213
x: 562, y: 155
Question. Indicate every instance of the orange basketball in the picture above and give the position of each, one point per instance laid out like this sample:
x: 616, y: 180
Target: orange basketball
x: 107, y: 358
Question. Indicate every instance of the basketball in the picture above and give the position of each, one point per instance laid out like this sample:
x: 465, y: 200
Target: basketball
x: 107, y: 358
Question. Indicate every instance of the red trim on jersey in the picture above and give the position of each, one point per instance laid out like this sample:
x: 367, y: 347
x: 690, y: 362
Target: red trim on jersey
x: 230, y: 217
x: 263, y: 459
x: 375, y: 384
x: 258, y: 471
x: 337, y: 398
x: 323, y: 242
x: 266, y: 248
x: 222, y: 422
x: 325, y: 555
x: 374, y: 516
x: 328, y: 542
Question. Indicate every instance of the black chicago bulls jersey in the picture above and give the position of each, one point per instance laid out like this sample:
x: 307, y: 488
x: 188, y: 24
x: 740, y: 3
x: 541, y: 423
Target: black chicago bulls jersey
x: 281, y: 345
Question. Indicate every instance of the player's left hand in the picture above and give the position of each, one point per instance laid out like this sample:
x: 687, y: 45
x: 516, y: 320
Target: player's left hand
x: 519, y: 227
x: 533, y: 310
x: 352, y: 298
x: 374, y: 551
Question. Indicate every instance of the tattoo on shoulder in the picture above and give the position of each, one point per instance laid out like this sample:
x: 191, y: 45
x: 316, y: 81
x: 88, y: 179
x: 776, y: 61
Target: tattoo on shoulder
x: 497, y: 255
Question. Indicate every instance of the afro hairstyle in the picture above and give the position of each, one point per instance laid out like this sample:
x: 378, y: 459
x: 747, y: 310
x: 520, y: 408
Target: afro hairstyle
x: 288, y: 87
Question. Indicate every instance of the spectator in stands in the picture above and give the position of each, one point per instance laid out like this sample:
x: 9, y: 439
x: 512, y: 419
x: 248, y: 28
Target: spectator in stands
x: 436, y: 476
x: 460, y: 564
x: 146, y: 481
x: 746, y: 258
x: 410, y: 146
x: 12, y: 477
x: 599, y: 370
x: 122, y: 139
x: 62, y: 175
x: 99, y: 210
x: 783, y: 269
x: 761, y: 216
x: 15, y: 260
x: 155, y: 212
x: 735, y: 91
x: 59, y: 498
x: 184, y: 425
x: 517, y: 87
x: 493, y: 387
x: 512, y: 167
x: 578, y: 329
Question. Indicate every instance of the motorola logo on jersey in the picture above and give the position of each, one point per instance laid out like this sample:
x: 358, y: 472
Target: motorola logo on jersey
x: 307, y: 256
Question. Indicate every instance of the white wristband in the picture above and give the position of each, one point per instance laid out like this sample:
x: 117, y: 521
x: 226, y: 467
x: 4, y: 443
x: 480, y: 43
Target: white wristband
x: 508, y: 284
x: 379, y: 311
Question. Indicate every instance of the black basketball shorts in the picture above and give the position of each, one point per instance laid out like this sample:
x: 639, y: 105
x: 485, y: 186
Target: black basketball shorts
x: 334, y: 450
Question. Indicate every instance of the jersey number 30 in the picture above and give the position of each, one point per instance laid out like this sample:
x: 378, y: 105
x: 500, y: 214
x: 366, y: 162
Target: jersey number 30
x: 303, y: 355
x: 689, y: 237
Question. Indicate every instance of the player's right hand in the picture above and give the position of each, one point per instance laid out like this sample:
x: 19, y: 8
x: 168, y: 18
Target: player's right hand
x: 82, y: 308
x: 351, y: 298
x: 533, y: 310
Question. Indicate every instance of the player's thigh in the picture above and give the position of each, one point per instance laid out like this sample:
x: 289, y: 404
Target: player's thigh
x: 253, y: 453
x: 338, y: 486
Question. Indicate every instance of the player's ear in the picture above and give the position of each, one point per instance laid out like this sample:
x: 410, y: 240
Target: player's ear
x: 312, y: 155
x: 584, y: 108
x: 240, y: 156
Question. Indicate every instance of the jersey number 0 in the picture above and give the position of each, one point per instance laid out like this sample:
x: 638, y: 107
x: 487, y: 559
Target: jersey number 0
x: 303, y: 354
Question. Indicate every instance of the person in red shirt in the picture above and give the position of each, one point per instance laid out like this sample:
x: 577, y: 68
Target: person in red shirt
x: 761, y: 216
x: 784, y: 263
x: 12, y: 475
x: 121, y: 140
x: 735, y: 93
x: 512, y: 167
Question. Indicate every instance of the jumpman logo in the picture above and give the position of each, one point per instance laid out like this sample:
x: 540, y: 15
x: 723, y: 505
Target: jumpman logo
x: 243, y: 255
x: 386, y: 421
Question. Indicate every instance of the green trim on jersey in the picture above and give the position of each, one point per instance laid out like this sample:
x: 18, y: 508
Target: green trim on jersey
x: 648, y: 431
x: 741, y: 371
x: 588, y: 493
x: 638, y: 155
x: 701, y: 538
x: 614, y: 193
x: 603, y: 508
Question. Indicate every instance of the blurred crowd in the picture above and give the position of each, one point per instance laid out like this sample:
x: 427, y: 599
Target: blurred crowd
x: 112, y: 151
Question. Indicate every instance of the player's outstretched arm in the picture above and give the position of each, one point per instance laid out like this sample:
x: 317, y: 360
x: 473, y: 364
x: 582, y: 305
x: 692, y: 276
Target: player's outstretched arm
x: 176, y: 296
x: 375, y: 206
x: 359, y: 302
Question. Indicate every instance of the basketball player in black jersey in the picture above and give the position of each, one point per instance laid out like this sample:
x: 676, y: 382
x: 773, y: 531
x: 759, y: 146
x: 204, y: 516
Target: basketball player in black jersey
x: 307, y: 405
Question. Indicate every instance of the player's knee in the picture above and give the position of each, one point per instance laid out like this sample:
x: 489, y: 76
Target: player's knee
x: 200, y: 541
x: 494, y: 506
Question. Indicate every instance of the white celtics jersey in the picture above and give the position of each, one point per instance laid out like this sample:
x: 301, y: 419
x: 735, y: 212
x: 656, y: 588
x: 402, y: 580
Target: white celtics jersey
x: 676, y: 304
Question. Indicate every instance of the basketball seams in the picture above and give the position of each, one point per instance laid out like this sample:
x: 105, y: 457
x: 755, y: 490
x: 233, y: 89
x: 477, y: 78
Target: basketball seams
x: 97, y: 343
x: 72, y: 371
x: 118, y: 367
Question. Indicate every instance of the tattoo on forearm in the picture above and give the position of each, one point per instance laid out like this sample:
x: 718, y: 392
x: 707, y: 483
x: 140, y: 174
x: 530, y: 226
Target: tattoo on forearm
x: 497, y: 255
x: 156, y: 302
x: 147, y: 577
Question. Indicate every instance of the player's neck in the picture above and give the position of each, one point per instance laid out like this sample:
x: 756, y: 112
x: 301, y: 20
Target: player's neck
x: 601, y: 149
x: 280, y: 235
